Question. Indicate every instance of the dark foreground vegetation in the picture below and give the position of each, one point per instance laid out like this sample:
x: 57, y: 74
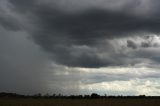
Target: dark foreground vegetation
x: 13, y: 99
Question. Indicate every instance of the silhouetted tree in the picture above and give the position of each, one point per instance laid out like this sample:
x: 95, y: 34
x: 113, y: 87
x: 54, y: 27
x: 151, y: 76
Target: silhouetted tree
x: 142, y: 96
x: 94, y: 95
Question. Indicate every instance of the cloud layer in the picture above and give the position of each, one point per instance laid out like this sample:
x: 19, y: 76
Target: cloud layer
x: 76, y: 38
x: 41, y: 38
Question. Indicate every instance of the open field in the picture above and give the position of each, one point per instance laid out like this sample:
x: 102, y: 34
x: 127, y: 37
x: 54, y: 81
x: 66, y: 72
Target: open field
x: 80, y: 102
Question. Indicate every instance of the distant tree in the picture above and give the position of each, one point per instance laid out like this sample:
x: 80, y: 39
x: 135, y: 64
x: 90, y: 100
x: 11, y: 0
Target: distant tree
x: 142, y: 96
x: 38, y: 95
x: 59, y: 95
x: 46, y: 95
x: 54, y: 95
x: 105, y: 95
x: 94, y: 95
x: 86, y: 96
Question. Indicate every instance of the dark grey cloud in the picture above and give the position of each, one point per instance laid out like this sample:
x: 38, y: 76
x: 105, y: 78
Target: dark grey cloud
x: 57, y: 31
x: 131, y: 44
x: 9, y: 23
x: 22, y: 5
x: 145, y: 44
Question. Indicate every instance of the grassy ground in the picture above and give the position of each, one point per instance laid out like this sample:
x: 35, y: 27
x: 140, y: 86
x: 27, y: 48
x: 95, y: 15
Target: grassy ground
x: 80, y: 102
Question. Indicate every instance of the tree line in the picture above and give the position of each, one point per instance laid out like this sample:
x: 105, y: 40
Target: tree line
x: 60, y: 96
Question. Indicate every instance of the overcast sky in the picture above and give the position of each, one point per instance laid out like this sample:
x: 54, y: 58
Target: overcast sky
x: 80, y: 46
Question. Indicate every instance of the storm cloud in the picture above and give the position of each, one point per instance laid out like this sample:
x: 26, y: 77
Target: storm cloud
x: 79, y: 34
x: 59, y: 31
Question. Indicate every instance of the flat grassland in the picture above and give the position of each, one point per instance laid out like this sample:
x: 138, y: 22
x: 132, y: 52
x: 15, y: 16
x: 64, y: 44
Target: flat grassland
x: 80, y: 102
